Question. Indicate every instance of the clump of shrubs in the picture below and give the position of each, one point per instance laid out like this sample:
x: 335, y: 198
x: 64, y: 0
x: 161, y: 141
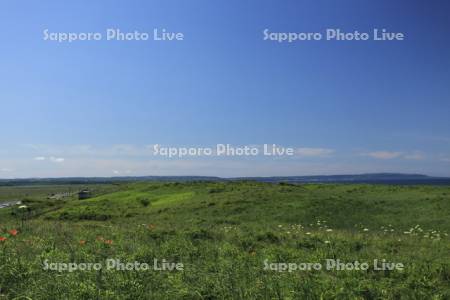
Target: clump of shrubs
x: 144, y: 202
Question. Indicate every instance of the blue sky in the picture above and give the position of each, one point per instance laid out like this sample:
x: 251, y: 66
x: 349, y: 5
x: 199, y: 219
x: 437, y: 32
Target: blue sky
x: 92, y: 108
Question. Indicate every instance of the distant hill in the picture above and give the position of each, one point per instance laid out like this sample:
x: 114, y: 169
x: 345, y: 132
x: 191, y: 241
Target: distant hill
x: 385, y: 178
x: 374, y: 178
x: 100, y: 180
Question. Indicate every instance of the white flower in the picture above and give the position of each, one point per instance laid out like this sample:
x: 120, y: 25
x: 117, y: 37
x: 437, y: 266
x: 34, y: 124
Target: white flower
x: 366, y: 229
x: 329, y: 230
x: 308, y: 233
x: 23, y: 206
x: 327, y: 242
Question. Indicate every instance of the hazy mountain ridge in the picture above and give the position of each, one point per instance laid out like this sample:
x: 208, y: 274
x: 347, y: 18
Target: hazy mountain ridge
x: 393, y: 178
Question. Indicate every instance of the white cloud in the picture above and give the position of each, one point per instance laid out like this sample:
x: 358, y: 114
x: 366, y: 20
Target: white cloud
x: 395, y: 154
x: 89, y: 150
x: 56, y: 159
x: 51, y: 158
x: 6, y: 170
x: 384, y: 154
x: 414, y: 156
x: 117, y: 172
x: 312, y: 152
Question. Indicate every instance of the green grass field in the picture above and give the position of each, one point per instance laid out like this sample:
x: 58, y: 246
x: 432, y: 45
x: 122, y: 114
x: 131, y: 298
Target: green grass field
x: 233, y: 239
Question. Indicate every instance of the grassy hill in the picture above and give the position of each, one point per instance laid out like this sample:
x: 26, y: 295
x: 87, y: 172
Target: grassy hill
x: 233, y: 240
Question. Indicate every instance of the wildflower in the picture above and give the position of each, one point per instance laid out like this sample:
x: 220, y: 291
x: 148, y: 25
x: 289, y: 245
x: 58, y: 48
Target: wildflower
x: 329, y: 230
x: 13, y: 232
x: 23, y: 206
x: 279, y: 226
x: 308, y: 233
x: 108, y: 242
x: 327, y: 242
x: 2, y: 239
x: 366, y: 229
x: 82, y: 242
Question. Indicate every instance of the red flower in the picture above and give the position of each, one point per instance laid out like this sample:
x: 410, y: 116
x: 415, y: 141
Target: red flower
x: 2, y: 239
x: 13, y: 232
x: 108, y: 242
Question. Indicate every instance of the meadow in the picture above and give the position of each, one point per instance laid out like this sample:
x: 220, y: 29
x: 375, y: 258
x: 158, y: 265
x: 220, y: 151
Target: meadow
x: 235, y: 240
